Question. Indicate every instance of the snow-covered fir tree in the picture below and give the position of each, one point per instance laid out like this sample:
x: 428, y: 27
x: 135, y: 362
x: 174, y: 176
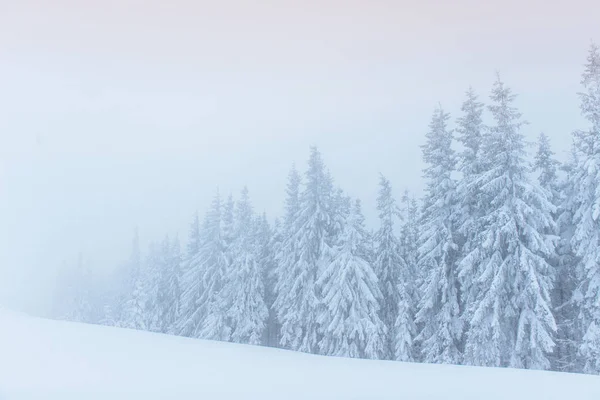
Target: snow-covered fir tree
x: 470, y: 206
x: 546, y: 166
x: 388, y: 266
x: 193, y: 244
x: 169, y: 287
x: 304, y: 252
x: 215, y: 264
x: 351, y: 327
x: 228, y: 227
x: 135, y: 314
x: 193, y: 309
x: 567, y: 295
x: 439, y: 314
x: 586, y: 236
x: 511, y: 321
x: 243, y: 291
x: 410, y: 219
x: 151, y: 276
x: 267, y: 244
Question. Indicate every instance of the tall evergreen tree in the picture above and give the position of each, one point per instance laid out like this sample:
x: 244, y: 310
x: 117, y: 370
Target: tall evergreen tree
x: 546, y: 166
x: 388, y: 266
x: 351, y: 325
x: 193, y: 309
x: 439, y: 310
x: 169, y: 287
x: 586, y: 237
x: 135, y: 308
x: 267, y: 242
x: 511, y: 322
x: 215, y: 266
x: 410, y: 217
x: 470, y: 208
x: 304, y: 253
x: 193, y: 245
x: 244, y: 287
x: 567, y: 296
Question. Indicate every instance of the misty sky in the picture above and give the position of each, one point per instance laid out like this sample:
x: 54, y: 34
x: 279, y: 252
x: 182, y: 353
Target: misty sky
x: 118, y: 113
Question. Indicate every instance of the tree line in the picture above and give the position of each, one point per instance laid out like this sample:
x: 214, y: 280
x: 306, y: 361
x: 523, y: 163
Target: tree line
x: 498, y: 264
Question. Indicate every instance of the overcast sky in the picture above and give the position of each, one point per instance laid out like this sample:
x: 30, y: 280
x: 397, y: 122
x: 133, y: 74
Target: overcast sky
x: 118, y: 113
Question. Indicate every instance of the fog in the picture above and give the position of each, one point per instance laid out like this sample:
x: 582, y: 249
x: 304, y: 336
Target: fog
x: 117, y: 114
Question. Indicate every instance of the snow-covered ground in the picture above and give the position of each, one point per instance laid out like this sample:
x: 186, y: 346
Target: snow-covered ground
x: 44, y: 359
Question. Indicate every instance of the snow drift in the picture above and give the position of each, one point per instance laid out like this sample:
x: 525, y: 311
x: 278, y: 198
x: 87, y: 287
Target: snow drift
x: 44, y: 359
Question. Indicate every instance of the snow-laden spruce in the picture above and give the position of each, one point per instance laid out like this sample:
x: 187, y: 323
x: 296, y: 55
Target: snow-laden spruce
x: 546, y: 168
x: 215, y: 264
x: 511, y: 321
x: 351, y: 326
x: 389, y: 265
x: 193, y: 311
x: 470, y: 163
x: 135, y: 312
x: 439, y: 310
x: 567, y: 295
x: 243, y: 290
x: 267, y: 245
x: 304, y: 253
x: 168, y: 295
x: 586, y: 237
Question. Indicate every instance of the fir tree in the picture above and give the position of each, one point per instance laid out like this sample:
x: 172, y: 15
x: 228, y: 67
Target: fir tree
x: 244, y: 290
x: 511, y: 322
x: 193, y: 309
x: 215, y: 266
x: 388, y: 266
x: 586, y: 236
x: 567, y: 296
x: 193, y: 245
x: 351, y: 325
x: 470, y: 207
x: 169, y: 288
x: 545, y: 164
x: 439, y: 309
x: 135, y: 309
x: 267, y: 243
x: 305, y: 251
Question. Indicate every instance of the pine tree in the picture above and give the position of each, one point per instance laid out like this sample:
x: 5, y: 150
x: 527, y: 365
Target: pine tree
x: 470, y: 207
x: 193, y: 245
x: 292, y: 202
x: 410, y: 216
x: 567, y: 296
x: 215, y: 264
x: 228, y: 222
x: 439, y: 309
x: 586, y: 236
x: 351, y: 327
x: 304, y: 252
x: 511, y: 322
x: 151, y: 276
x: 135, y: 307
x: 244, y: 290
x: 268, y: 241
x: 546, y: 166
x: 388, y: 266
x: 169, y: 288
x: 193, y: 309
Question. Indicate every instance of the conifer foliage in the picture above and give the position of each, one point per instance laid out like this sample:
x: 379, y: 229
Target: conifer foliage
x: 497, y: 264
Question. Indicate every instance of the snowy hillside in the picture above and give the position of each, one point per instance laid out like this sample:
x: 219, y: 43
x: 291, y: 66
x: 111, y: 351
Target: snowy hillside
x: 43, y: 359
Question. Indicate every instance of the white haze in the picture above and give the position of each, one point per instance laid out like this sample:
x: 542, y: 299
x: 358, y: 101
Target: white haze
x: 115, y: 115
